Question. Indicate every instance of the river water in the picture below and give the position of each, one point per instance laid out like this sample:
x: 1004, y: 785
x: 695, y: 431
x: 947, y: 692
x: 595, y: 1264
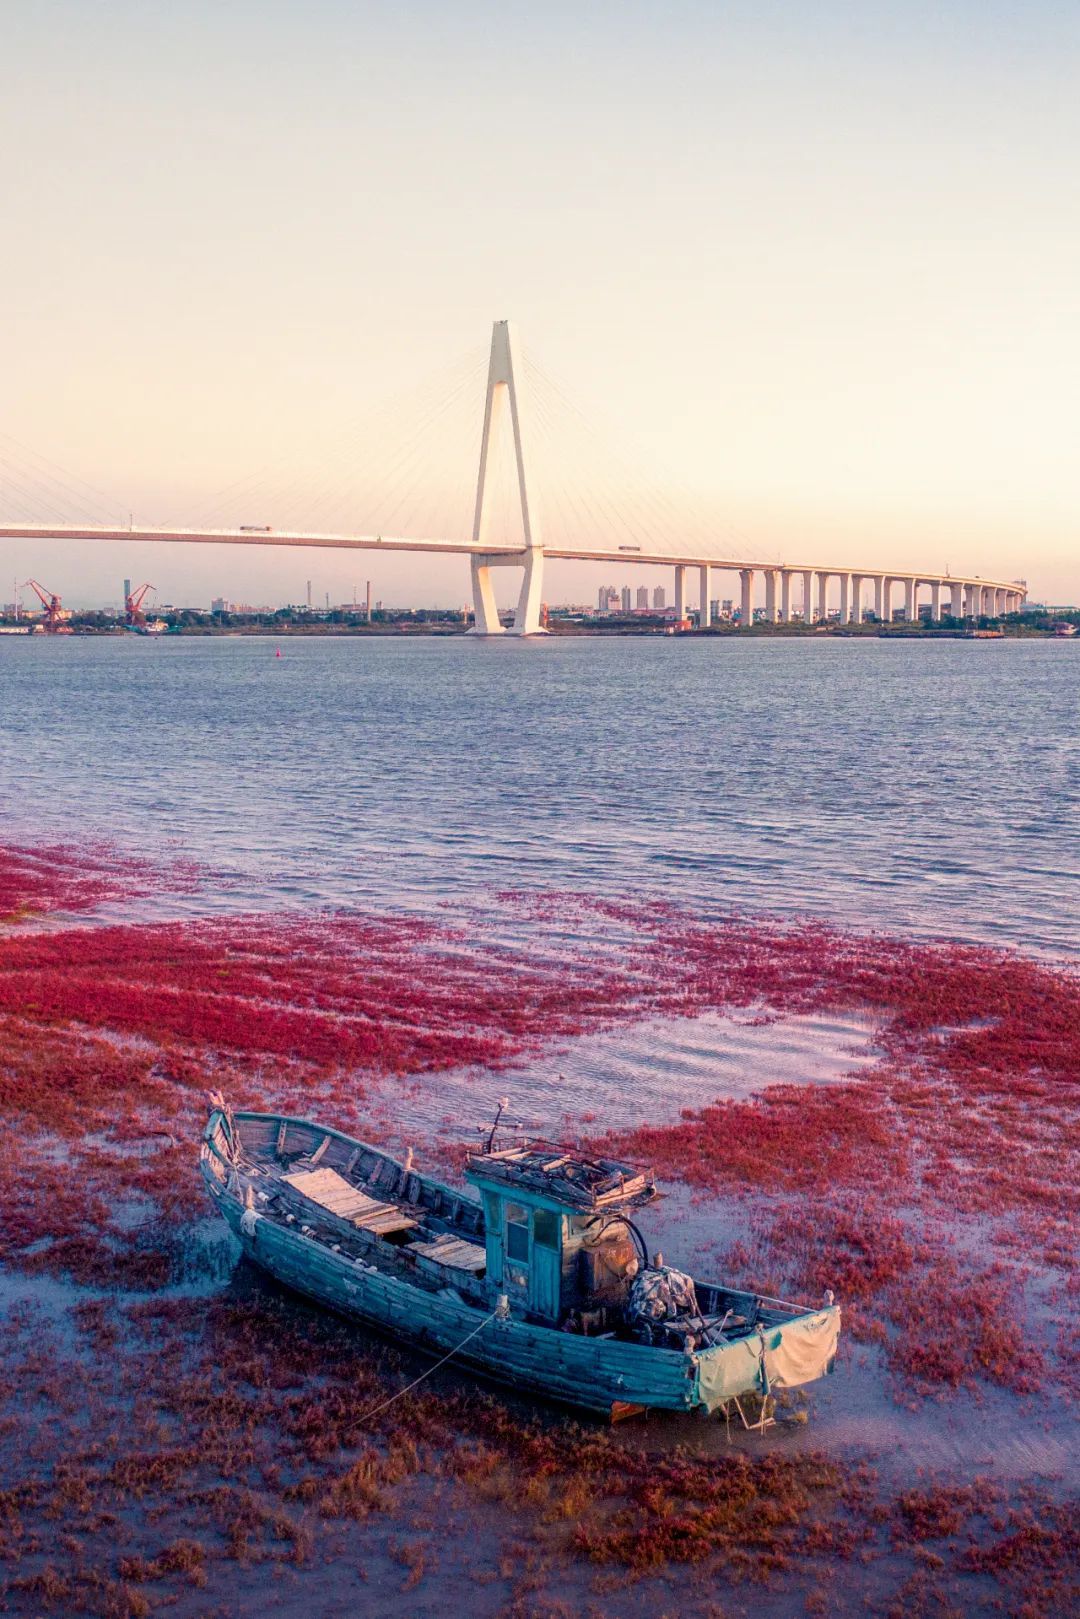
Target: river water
x: 925, y: 788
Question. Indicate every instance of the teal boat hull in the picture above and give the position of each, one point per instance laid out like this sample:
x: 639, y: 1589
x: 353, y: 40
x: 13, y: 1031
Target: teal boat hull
x: 597, y: 1374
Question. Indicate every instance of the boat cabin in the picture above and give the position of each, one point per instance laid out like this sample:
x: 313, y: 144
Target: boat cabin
x: 561, y: 1242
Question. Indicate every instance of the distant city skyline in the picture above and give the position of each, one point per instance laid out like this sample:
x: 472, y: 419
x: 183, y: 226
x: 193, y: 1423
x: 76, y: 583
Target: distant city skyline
x: 815, y: 266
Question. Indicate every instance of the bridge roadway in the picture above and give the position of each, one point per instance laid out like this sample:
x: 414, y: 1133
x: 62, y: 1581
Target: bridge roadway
x: 969, y: 596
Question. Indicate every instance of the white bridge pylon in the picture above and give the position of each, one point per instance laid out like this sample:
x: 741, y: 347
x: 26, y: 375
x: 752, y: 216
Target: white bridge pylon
x: 504, y: 370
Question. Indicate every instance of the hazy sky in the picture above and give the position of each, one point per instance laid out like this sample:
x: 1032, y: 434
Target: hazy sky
x: 818, y: 262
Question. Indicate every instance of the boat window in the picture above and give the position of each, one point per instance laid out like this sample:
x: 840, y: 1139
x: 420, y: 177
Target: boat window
x: 546, y: 1228
x: 517, y: 1233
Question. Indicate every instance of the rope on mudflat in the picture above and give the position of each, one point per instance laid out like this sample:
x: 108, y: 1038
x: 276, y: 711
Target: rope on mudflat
x: 495, y: 1315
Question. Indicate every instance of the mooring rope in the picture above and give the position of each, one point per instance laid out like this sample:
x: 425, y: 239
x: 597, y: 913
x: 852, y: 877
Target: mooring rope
x: 376, y: 1409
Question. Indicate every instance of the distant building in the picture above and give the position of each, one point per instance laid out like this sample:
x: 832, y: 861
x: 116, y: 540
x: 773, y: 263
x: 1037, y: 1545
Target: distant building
x: 625, y: 599
x: 608, y: 599
x: 643, y: 599
x: 219, y: 605
x: 659, y: 600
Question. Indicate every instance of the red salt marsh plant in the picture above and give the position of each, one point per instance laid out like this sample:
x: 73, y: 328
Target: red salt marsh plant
x: 109, y: 1036
x: 227, y: 1433
x: 37, y: 880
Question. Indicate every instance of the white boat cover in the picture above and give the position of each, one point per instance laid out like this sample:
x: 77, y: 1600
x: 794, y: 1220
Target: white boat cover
x: 782, y: 1357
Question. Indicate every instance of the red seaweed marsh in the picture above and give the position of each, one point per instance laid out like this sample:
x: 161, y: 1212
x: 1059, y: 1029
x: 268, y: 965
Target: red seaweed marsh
x: 180, y: 1435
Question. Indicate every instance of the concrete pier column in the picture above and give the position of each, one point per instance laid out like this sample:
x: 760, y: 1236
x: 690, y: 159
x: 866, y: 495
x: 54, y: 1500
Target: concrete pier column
x: 971, y: 602
x: 747, y: 604
x: 879, y: 591
x: 770, y: 595
x: 808, y: 598
x: 856, y: 598
x: 986, y: 601
x: 910, y: 599
x: 935, y: 600
x: 785, y: 595
x: 680, y: 593
x: 956, y: 599
x: 885, y: 614
x: 1002, y: 597
x: 822, y: 597
x: 704, y: 610
x: 486, y: 619
x: 845, y: 597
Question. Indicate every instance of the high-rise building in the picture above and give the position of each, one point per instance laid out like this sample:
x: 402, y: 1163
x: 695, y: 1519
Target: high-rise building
x: 659, y: 600
x: 219, y: 605
x: 643, y: 599
x: 626, y: 598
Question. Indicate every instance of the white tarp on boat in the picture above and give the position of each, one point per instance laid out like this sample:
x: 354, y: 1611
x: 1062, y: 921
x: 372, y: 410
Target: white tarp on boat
x: 801, y: 1350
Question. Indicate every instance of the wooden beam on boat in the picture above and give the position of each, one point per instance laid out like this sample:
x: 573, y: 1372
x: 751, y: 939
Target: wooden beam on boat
x: 452, y: 1251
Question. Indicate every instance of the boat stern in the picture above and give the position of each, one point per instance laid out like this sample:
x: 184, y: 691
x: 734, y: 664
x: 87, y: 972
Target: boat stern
x: 783, y: 1355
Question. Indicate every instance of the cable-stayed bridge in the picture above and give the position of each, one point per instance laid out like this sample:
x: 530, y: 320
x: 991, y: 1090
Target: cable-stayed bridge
x: 526, y: 508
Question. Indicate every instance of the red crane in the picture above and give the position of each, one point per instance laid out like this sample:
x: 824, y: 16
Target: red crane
x: 54, y: 612
x: 133, y: 613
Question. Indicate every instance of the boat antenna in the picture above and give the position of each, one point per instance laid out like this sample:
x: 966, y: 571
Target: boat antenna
x: 503, y: 1102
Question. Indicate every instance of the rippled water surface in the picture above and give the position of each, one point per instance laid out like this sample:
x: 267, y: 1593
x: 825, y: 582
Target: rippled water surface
x: 928, y: 788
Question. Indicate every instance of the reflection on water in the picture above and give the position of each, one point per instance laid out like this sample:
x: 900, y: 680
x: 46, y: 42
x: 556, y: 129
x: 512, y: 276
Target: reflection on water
x: 640, y: 1073
x: 924, y: 788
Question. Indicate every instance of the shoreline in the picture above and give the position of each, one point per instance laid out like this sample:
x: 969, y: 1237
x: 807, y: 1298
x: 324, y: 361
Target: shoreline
x: 594, y: 631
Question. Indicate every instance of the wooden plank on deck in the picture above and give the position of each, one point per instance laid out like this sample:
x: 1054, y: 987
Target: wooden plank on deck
x: 332, y: 1192
x: 452, y: 1251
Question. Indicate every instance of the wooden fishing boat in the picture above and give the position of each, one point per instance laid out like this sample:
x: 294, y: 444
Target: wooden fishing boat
x: 544, y: 1281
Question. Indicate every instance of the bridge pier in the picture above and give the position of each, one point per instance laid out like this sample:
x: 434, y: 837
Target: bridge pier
x: 770, y: 596
x: 910, y: 600
x: 808, y: 597
x: 704, y: 607
x: 485, y: 613
x: 845, y: 593
x: 822, y: 597
x: 855, y: 600
x: 885, y: 607
x: 680, y: 594
x: 746, y: 605
x: 785, y: 595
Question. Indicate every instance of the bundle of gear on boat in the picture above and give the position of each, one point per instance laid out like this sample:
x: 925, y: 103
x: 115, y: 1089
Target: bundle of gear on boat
x: 661, y: 1308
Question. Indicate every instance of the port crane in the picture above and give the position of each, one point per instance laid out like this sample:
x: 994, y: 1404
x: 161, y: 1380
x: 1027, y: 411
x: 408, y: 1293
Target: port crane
x: 54, y: 613
x: 133, y: 613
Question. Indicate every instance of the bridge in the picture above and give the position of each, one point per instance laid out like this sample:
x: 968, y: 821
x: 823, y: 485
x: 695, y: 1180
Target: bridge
x: 506, y: 406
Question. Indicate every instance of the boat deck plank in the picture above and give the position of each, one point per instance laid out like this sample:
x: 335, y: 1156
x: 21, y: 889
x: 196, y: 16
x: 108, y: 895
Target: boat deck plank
x: 454, y: 1252
x: 332, y: 1192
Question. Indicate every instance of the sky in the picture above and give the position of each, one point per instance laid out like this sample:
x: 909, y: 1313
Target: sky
x: 812, y: 269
